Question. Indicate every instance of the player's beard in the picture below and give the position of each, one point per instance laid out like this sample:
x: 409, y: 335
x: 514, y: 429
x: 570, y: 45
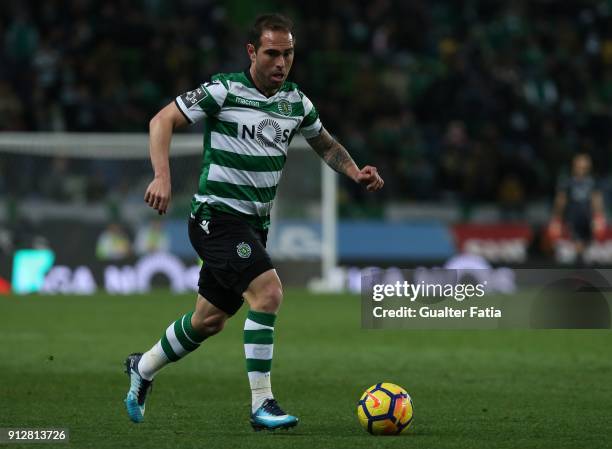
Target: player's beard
x: 270, y: 84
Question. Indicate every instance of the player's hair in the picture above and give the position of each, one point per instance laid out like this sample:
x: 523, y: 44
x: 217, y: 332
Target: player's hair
x: 273, y: 21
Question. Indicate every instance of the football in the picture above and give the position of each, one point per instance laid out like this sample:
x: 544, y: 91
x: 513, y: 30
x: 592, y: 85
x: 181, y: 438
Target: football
x: 385, y: 409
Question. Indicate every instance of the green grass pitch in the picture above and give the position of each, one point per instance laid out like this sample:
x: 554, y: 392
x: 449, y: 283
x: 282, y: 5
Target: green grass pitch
x: 61, y: 366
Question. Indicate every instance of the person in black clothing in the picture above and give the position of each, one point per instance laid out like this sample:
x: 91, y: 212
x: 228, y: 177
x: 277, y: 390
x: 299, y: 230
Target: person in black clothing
x: 578, y: 206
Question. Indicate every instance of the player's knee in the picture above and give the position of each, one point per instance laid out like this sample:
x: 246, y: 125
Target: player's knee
x: 270, y: 298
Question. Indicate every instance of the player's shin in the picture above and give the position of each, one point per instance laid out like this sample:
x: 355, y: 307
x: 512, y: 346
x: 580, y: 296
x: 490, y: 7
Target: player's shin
x: 179, y: 340
x: 258, y: 349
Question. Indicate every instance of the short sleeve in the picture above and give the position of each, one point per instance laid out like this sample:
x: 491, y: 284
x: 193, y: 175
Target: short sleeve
x: 203, y: 101
x: 311, y: 124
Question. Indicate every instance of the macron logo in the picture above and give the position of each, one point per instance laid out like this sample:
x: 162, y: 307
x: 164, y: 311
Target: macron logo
x: 246, y: 102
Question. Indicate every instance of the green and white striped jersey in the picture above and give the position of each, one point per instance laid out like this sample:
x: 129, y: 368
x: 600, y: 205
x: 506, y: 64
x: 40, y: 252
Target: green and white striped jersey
x: 246, y: 137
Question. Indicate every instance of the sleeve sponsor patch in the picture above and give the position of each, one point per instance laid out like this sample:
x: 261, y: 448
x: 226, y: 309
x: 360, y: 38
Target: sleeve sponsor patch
x: 193, y: 97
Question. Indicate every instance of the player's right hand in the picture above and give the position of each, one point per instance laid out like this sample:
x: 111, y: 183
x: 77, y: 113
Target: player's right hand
x: 555, y: 229
x: 158, y: 194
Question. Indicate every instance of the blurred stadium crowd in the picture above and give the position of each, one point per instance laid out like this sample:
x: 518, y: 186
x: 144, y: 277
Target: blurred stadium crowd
x: 461, y: 100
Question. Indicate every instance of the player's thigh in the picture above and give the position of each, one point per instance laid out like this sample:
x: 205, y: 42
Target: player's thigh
x: 214, y: 289
x: 234, y: 255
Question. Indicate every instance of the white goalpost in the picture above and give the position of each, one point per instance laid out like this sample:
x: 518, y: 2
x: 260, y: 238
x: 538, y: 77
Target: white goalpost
x: 306, y: 201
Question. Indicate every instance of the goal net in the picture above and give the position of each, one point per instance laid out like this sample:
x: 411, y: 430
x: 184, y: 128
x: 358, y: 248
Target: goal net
x: 64, y: 192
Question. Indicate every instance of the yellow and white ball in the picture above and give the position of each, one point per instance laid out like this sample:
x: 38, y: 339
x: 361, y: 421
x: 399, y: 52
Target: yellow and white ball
x: 385, y: 409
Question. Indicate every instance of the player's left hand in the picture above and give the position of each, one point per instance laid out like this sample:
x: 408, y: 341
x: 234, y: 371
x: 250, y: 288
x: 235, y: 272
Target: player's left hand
x: 369, y: 176
x: 599, y: 226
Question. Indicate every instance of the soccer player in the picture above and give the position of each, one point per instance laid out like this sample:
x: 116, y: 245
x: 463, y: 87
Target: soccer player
x: 250, y: 118
x: 579, y: 204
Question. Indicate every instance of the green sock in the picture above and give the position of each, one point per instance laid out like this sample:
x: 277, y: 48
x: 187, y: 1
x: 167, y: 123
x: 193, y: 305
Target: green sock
x: 180, y: 338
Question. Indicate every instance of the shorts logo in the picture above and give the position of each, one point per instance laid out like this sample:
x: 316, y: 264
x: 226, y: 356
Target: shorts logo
x: 244, y: 250
x: 204, y: 225
x: 284, y: 107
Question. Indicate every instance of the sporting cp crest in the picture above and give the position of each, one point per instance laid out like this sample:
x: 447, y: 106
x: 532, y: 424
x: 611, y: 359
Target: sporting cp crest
x: 284, y: 107
x: 244, y: 250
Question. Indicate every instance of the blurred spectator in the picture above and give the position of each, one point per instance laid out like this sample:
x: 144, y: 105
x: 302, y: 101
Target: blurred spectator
x: 56, y: 183
x: 11, y: 109
x: 3, y: 187
x: 578, y: 207
x: 6, y: 241
x: 21, y: 39
x: 454, y: 155
x: 511, y: 198
x: 151, y: 238
x: 113, y: 244
x: 453, y: 98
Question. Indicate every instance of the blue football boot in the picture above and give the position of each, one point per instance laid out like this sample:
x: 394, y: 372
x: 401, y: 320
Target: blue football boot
x: 139, y: 388
x: 271, y: 417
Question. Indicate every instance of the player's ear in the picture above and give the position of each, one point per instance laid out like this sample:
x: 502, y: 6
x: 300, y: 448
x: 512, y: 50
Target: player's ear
x: 251, y: 51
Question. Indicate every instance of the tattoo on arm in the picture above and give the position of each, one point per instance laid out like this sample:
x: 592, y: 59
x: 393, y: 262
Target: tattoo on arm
x: 332, y: 152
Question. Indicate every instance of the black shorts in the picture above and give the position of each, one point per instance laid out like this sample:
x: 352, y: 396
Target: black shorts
x: 580, y: 227
x: 234, y: 253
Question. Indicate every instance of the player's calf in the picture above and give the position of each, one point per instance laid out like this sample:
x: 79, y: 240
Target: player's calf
x: 208, y: 325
